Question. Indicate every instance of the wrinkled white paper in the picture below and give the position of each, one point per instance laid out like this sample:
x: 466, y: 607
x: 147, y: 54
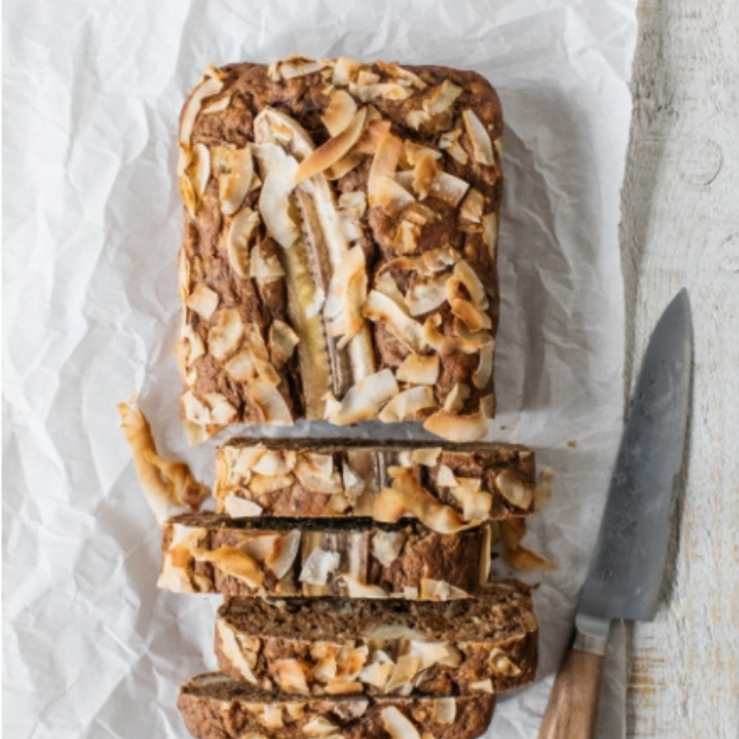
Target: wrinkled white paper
x: 92, y: 226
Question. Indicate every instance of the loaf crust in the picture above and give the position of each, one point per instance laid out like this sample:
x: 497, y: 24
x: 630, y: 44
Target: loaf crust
x: 209, y: 553
x: 334, y: 646
x: 215, y: 707
x: 368, y: 289
x: 445, y: 489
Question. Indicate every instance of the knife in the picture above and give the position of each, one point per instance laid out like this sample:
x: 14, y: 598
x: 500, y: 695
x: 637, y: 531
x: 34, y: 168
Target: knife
x: 627, y: 566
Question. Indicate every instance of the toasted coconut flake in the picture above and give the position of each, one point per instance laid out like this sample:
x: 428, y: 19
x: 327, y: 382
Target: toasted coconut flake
x: 203, y: 301
x: 200, y: 166
x: 345, y: 165
x: 234, y: 169
x: 358, y: 589
x: 320, y: 726
x: 481, y: 686
x: 413, y: 153
x: 298, y: 66
x: 221, y: 411
x: 189, y: 196
x: 164, y: 482
x: 514, y: 490
x: 428, y: 457
x: 259, y: 545
x: 271, y: 716
x: 377, y: 674
x: 282, y: 556
x: 427, y: 295
x: 387, y: 545
x: 524, y: 560
x: 419, y: 369
x: 449, y: 188
x: 385, y: 284
x: 429, y: 653
x: 272, y: 406
x: 384, y: 164
x: 192, y: 344
x: 232, y: 648
x: 446, y: 477
x: 380, y: 308
x: 437, y: 260
x: 365, y: 398
x: 424, y: 175
x: 274, y: 199
x: 241, y: 366
x: 406, y: 237
x: 317, y: 477
x: 282, y: 342
x: 482, y: 146
x: 391, y: 196
x: 290, y: 676
x: 407, y: 403
x: 542, y: 493
x: 217, y: 106
x: 234, y: 562
x: 476, y: 506
x: 319, y: 565
x: 441, y: 98
x: 374, y: 131
x: 340, y: 686
x: 274, y: 462
x: 206, y: 88
x: 240, y: 507
x: 472, y: 317
x: 395, y: 70
x: 472, y: 206
x: 454, y: 401
x: 340, y: 112
x: 241, y: 231
x: 265, y: 484
x: 484, y: 372
x: 465, y: 275
x: 354, y: 203
x: 264, y: 268
x: 490, y: 231
x: 382, y: 90
x: 452, y: 427
x: 449, y: 142
x: 346, y: 294
x: 345, y: 71
x: 402, y: 677
x: 408, y: 496
x: 226, y: 334
x: 353, y: 484
x: 445, y: 710
x: 333, y: 150
x: 501, y: 663
x: 397, y: 725
x: 195, y: 410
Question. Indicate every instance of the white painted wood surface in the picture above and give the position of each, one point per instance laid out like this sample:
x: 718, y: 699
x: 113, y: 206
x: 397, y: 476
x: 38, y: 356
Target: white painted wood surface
x: 680, y: 226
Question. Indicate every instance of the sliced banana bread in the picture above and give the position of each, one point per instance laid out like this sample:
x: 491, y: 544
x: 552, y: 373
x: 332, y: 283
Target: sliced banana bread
x: 216, y: 707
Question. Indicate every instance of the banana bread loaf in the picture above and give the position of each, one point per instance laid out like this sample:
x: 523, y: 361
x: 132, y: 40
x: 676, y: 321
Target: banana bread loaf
x: 339, y: 248
x: 216, y: 707
x: 444, y: 488
x: 359, y: 557
x: 335, y: 646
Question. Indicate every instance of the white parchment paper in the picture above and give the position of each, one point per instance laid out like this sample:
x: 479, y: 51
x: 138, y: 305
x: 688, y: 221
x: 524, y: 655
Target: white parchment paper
x: 92, y: 91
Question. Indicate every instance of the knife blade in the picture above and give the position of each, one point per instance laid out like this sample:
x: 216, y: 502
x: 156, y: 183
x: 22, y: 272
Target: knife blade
x: 628, y: 562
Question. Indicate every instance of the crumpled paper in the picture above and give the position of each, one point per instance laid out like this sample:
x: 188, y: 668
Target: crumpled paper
x: 92, y: 227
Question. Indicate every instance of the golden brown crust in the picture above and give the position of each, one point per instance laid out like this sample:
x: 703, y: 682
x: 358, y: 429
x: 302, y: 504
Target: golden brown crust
x: 381, y: 647
x: 312, y: 557
x: 365, y: 248
x: 444, y: 488
x: 216, y: 707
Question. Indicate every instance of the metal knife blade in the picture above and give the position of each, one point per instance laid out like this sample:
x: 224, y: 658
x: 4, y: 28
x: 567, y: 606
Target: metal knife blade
x: 627, y: 567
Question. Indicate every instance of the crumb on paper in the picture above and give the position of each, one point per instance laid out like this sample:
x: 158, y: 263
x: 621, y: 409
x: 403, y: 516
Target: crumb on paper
x: 166, y: 483
x: 572, y: 443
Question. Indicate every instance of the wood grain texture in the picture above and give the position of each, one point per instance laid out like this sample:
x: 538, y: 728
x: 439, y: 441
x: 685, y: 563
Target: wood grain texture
x: 680, y: 226
x: 573, y: 705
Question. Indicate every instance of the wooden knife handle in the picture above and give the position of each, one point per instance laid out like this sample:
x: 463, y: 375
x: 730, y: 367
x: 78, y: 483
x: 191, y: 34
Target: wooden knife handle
x: 573, y: 705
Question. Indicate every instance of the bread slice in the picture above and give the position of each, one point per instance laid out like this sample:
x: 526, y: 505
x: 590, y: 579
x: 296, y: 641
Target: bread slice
x: 206, y: 552
x: 335, y: 646
x: 444, y: 488
x: 339, y: 251
x: 216, y: 707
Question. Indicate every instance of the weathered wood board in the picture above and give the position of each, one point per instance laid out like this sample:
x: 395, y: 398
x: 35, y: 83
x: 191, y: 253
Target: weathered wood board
x: 680, y: 226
